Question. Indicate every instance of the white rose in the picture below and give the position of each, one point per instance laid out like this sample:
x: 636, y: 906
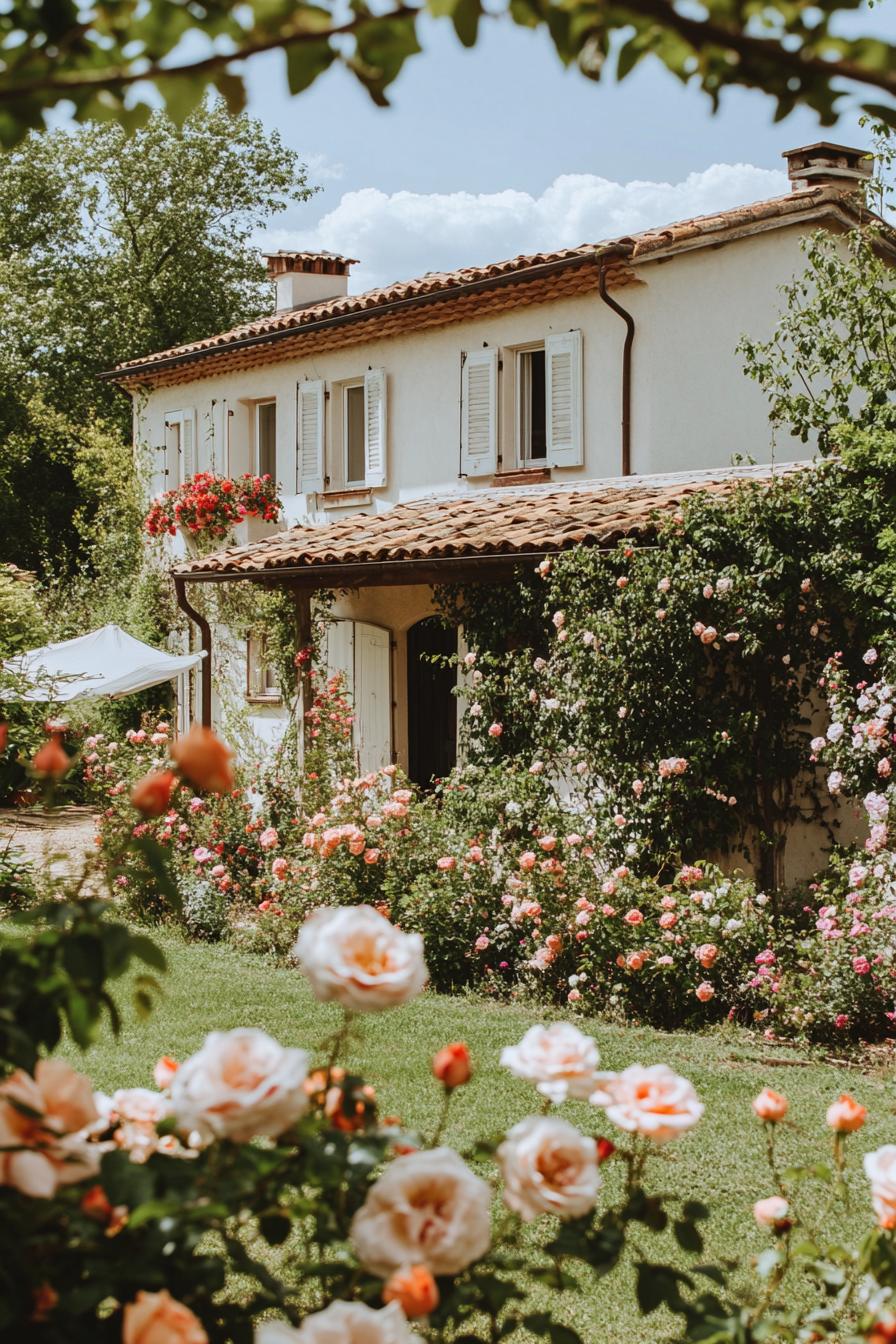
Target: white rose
x: 818, y: 744
x: 651, y: 1101
x: 426, y: 1209
x: 560, y: 1060
x: 342, y: 1323
x: 880, y: 1168
x: 835, y: 732
x: 241, y: 1084
x: 355, y: 956
x: 548, y: 1167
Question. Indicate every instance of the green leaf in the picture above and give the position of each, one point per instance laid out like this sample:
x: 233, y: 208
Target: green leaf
x: 305, y: 61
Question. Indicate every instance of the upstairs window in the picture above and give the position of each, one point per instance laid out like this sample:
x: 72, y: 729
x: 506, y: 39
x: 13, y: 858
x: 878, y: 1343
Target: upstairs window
x: 353, y: 435
x: 532, y: 410
x: 266, y: 439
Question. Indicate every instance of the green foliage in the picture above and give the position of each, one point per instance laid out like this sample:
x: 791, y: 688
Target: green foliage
x: 110, y: 246
x: 794, y: 55
x: 22, y: 624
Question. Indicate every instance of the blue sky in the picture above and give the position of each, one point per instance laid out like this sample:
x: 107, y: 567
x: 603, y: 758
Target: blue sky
x: 489, y: 152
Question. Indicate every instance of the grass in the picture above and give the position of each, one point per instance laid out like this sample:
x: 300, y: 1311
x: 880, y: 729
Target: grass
x: 722, y: 1161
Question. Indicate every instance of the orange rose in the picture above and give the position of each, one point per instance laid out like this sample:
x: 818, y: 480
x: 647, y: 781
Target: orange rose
x: 451, y: 1065
x: 158, y: 1318
x: 51, y: 761
x: 414, y: 1289
x: 204, y: 760
x: 771, y: 1105
x: 845, y: 1115
x: 152, y: 794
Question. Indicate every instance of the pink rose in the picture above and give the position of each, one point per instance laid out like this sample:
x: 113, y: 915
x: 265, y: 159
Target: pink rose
x: 446, y: 864
x: 549, y: 1167
x: 634, y: 917
x: 654, y: 1102
x: 560, y: 1060
x: 527, y: 861
x: 40, y: 1122
x: 279, y: 868
x: 772, y: 1212
x: 495, y: 729
x: 269, y: 839
x: 359, y: 959
x: 705, y: 992
x: 880, y: 1168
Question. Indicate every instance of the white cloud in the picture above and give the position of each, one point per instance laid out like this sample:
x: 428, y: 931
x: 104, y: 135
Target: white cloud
x: 405, y: 234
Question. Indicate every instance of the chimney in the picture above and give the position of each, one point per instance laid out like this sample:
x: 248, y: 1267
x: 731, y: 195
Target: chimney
x: 303, y: 278
x: 826, y: 165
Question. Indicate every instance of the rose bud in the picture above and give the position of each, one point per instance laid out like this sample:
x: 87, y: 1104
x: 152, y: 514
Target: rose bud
x: 95, y: 1204
x: 50, y: 761
x: 451, y: 1065
x: 204, y: 760
x: 44, y: 1299
x: 771, y: 1106
x: 845, y: 1115
x: 151, y: 795
x: 605, y: 1149
x: 164, y: 1071
x: 772, y: 1212
x: 414, y: 1289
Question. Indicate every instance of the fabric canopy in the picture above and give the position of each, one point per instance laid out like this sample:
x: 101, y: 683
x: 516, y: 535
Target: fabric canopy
x: 108, y: 662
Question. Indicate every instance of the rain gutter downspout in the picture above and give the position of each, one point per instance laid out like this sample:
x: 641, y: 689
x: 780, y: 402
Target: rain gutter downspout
x: 626, y: 363
x: 205, y: 632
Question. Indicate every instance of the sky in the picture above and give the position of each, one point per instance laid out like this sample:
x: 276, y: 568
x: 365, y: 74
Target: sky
x: 500, y: 150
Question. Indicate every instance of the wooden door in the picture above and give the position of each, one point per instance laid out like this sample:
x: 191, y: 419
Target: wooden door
x: 432, y: 705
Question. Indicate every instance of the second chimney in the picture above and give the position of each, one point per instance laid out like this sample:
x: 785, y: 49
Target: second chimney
x: 826, y: 165
x: 303, y: 278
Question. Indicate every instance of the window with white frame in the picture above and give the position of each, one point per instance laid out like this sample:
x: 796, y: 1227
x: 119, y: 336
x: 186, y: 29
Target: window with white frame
x: 531, y: 409
x: 266, y: 439
x: 354, y: 470
x: 180, y: 436
x: 261, y: 677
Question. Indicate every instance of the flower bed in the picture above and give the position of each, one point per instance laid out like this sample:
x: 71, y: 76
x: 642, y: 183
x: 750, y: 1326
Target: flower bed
x: 210, y: 505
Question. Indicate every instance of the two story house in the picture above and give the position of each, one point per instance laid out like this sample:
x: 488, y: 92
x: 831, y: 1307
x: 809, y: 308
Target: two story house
x: 456, y: 425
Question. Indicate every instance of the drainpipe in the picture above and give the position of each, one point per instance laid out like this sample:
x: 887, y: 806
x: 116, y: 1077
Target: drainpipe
x: 205, y: 632
x: 626, y: 367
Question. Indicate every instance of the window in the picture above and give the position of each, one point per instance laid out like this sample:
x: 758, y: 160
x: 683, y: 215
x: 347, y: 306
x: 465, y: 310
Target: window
x: 266, y: 438
x: 353, y: 434
x: 532, y: 418
x: 179, y: 456
x: 261, y: 679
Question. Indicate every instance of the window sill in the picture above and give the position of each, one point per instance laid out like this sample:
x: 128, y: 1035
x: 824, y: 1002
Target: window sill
x: 346, y: 499
x: 523, y: 476
x: 264, y: 699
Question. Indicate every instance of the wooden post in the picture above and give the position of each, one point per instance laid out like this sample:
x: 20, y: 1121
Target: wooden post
x: 305, y: 634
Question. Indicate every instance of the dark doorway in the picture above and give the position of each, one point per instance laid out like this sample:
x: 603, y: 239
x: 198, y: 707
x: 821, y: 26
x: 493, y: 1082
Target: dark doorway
x: 432, y: 706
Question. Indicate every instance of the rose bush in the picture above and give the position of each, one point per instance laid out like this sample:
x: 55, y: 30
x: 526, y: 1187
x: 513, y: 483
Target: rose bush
x: 211, y: 505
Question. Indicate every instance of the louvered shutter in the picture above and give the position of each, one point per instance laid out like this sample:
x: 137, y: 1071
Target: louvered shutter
x: 375, y: 427
x: 373, y: 699
x: 173, y: 437
x: 340, y: 652
x: 310, y: 434
x: 563, y: 387
x: 479, y: 414
x: 188, y: 443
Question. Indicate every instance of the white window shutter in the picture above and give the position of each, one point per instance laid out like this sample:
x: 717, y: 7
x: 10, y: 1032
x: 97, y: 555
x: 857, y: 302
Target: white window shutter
x: 188, y: 444
x: 563, y: 379
x: 479, y: 413
x: 310, y: 432
x: 373, y: 697
x: 375, y: 427
x: 173, y: 440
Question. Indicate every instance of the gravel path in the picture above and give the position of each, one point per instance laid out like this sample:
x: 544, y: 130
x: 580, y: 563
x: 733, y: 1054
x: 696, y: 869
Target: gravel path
x: 61, y: 838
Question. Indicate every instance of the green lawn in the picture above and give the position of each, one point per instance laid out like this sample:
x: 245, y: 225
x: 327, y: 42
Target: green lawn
x: 721, y: 1161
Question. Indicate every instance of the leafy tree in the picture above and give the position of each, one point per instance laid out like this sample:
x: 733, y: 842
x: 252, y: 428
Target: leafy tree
x: 93, y: 57
x: 110, y: 246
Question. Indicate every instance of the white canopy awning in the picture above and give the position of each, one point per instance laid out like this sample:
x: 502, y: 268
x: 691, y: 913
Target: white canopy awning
x: 108, y: 662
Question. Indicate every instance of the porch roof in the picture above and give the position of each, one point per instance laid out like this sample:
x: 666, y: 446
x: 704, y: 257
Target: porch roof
x: 427, y: 539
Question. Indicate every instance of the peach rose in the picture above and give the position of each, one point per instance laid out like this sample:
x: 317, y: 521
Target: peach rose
x: 651, y: 1101
x: 427, y: 1208
x: 241, y: 1084
x: 845, y: 1115
x: 771, y: 1212
x: 163, y: 1071
x: 770, y: 1105
x: 152, y: 794
x: 158, y: 1318
x: 40, y: 1122
x: 355, y: 956
x: 51, y: 761
x: 451, y: 1065
x: 414, y: 1289
x: 548, y: 1167
x: 342, y: 1323
x: 560, y: 1060
x: 880, y: 1168
x: 204, y: 760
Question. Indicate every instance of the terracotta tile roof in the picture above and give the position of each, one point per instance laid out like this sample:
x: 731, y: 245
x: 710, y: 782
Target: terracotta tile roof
x: 530, y: 520
x: 453, y: 285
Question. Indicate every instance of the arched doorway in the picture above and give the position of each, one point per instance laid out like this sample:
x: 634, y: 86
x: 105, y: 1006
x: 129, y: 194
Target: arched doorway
x: 432, y: 705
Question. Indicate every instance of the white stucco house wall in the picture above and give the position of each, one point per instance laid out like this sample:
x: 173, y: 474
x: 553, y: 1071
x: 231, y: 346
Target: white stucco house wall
x: 445, y: 427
